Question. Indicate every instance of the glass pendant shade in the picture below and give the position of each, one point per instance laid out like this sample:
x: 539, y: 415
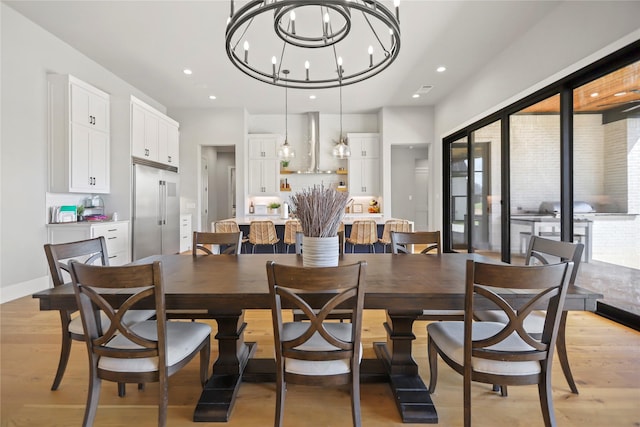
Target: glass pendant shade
x: 341, y: 149
x: 285, y: 151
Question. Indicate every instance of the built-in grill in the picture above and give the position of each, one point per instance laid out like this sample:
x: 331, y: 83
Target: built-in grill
x: 554, y: 208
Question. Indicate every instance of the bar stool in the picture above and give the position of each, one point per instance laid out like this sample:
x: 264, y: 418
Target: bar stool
x: 263, y: 233
x: 228, y: 226
x: 291, y: 227
x: 390, y: 225
x: 363, y: 232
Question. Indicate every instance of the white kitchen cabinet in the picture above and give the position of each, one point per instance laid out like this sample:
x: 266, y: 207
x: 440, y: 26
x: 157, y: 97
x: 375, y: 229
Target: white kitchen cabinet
x: 364, y: 145
x: 364, y: 165
x: 116, y: 235
x: 186, y: 233
x: 79, y: 137
x: 154, y: 136
x: 263, y: 165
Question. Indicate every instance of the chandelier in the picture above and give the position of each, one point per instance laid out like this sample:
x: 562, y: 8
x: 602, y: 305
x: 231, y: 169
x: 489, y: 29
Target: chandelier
x: 308, y: 37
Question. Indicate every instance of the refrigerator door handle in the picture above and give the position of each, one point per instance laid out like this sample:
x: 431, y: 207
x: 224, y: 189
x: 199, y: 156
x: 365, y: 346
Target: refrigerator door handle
x: 160, y: 203
x: 164, y: 202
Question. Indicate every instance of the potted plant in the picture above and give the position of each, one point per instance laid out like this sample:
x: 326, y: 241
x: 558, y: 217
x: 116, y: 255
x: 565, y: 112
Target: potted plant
x: 273, y: 207
x: 320, y: 211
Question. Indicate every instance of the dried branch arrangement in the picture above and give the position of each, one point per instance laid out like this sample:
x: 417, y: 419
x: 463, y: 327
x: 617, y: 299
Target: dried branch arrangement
x: 320, y: 210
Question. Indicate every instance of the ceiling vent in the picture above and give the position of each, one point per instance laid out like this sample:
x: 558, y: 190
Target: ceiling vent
x: 424, y: 89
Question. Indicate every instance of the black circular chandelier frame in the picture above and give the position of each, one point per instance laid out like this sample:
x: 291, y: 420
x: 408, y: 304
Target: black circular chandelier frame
x: 372, y: 10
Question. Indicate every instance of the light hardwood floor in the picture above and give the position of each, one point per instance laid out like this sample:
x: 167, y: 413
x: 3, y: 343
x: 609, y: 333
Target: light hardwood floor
x: 605, y: 358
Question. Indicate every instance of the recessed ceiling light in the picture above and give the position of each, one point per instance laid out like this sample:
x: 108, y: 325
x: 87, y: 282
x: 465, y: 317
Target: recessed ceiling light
x: 416, y: 95
x: 441, y: 69
x: 312, y: 97
x: 187, y: 71
x: 620, y: 94
x: 594, y: 94
x: 212, y: 97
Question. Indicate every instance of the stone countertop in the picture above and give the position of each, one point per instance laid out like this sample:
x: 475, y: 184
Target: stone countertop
x: 277, y: 220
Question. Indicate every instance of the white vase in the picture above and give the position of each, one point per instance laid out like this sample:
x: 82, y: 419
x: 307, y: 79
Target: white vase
x: 320, y: 251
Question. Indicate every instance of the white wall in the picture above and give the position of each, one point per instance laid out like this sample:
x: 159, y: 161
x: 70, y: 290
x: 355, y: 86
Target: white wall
x: 206, y: 127
x: 28, y: 53
x: 403, y: 126
x: 572, y: 36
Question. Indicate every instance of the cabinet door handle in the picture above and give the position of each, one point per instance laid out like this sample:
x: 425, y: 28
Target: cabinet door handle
x: 111, y: 238
x: 112, y: 229
x: 169, y: 157
x: 113, y: 256
x: 90, y: 120
x: 146, y: 152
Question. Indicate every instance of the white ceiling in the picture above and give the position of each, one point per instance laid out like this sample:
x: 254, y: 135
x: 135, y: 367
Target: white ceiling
x: 149, y: 43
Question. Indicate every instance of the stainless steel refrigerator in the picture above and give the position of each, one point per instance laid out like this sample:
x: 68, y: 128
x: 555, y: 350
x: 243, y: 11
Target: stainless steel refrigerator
x: 156, y: 211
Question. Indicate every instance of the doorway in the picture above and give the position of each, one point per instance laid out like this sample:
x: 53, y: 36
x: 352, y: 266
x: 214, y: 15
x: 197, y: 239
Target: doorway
x: 410, y: 185
x: 220, y: 199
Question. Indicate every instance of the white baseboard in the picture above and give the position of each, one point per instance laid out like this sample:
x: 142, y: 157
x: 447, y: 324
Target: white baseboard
x: 19, y: 290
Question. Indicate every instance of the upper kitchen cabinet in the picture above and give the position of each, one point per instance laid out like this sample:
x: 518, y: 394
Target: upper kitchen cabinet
x: 154, y: 136
x: 263, y: 164
x: 79, y: 136
x: 364, y: 145
x: 364, y: 164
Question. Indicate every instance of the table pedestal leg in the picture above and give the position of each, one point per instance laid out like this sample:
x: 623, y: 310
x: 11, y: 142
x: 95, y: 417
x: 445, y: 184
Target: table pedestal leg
x: 218, y: 395
x: 412, y: 396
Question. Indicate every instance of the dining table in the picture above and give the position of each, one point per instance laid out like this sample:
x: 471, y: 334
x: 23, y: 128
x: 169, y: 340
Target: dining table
x: 403, y: 285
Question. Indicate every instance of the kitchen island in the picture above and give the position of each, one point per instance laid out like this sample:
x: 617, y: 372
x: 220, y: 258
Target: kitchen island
x: 244, y: 222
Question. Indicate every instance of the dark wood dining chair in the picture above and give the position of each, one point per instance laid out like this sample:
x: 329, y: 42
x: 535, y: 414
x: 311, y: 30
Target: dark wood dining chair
x: 428, y: 242
x: 90, y: 251
x: 228, y: 243
x: 318, y: 352
x: 400, y: 241
x: 542, y: 251
x: 149, y: 351
x: 499, y: 353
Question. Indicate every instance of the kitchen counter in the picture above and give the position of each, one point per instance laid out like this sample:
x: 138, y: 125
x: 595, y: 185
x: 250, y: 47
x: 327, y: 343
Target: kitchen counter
x: 348, y: 219
x: 244, y: 222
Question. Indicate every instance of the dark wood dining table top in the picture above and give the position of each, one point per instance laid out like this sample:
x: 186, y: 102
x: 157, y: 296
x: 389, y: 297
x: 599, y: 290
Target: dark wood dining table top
x: 394, y: 282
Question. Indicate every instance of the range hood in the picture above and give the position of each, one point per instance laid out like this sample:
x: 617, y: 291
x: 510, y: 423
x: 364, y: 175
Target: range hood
x: 313, y: 166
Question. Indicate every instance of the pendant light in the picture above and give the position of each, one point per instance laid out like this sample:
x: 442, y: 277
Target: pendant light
x: 341, y: 149
x: 285, y: 151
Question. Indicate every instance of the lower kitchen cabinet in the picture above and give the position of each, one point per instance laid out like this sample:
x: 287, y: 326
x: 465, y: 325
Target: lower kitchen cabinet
x: 186, y: 235
x: 116, y: 234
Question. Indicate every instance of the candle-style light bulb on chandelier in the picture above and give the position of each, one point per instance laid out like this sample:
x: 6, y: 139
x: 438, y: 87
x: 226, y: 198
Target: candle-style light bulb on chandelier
x: 308, y: 36
x: 286, y: 151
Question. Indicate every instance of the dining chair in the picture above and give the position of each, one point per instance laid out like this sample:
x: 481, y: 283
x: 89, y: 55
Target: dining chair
x: 291, y: 227
x: 203, y: 242
x: 363, y: 232
x: 339, y: 314
x: 228, y: 226
x: 90, y: 251
x: 428, y: 242
x: 429, y: 239
x: 546, y: 251
x: 263, y: 233
x: 319, y: 352
x: 149, y: 351
x: 227, y: 243
x: 499, y: 353
x: 393, y: 225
